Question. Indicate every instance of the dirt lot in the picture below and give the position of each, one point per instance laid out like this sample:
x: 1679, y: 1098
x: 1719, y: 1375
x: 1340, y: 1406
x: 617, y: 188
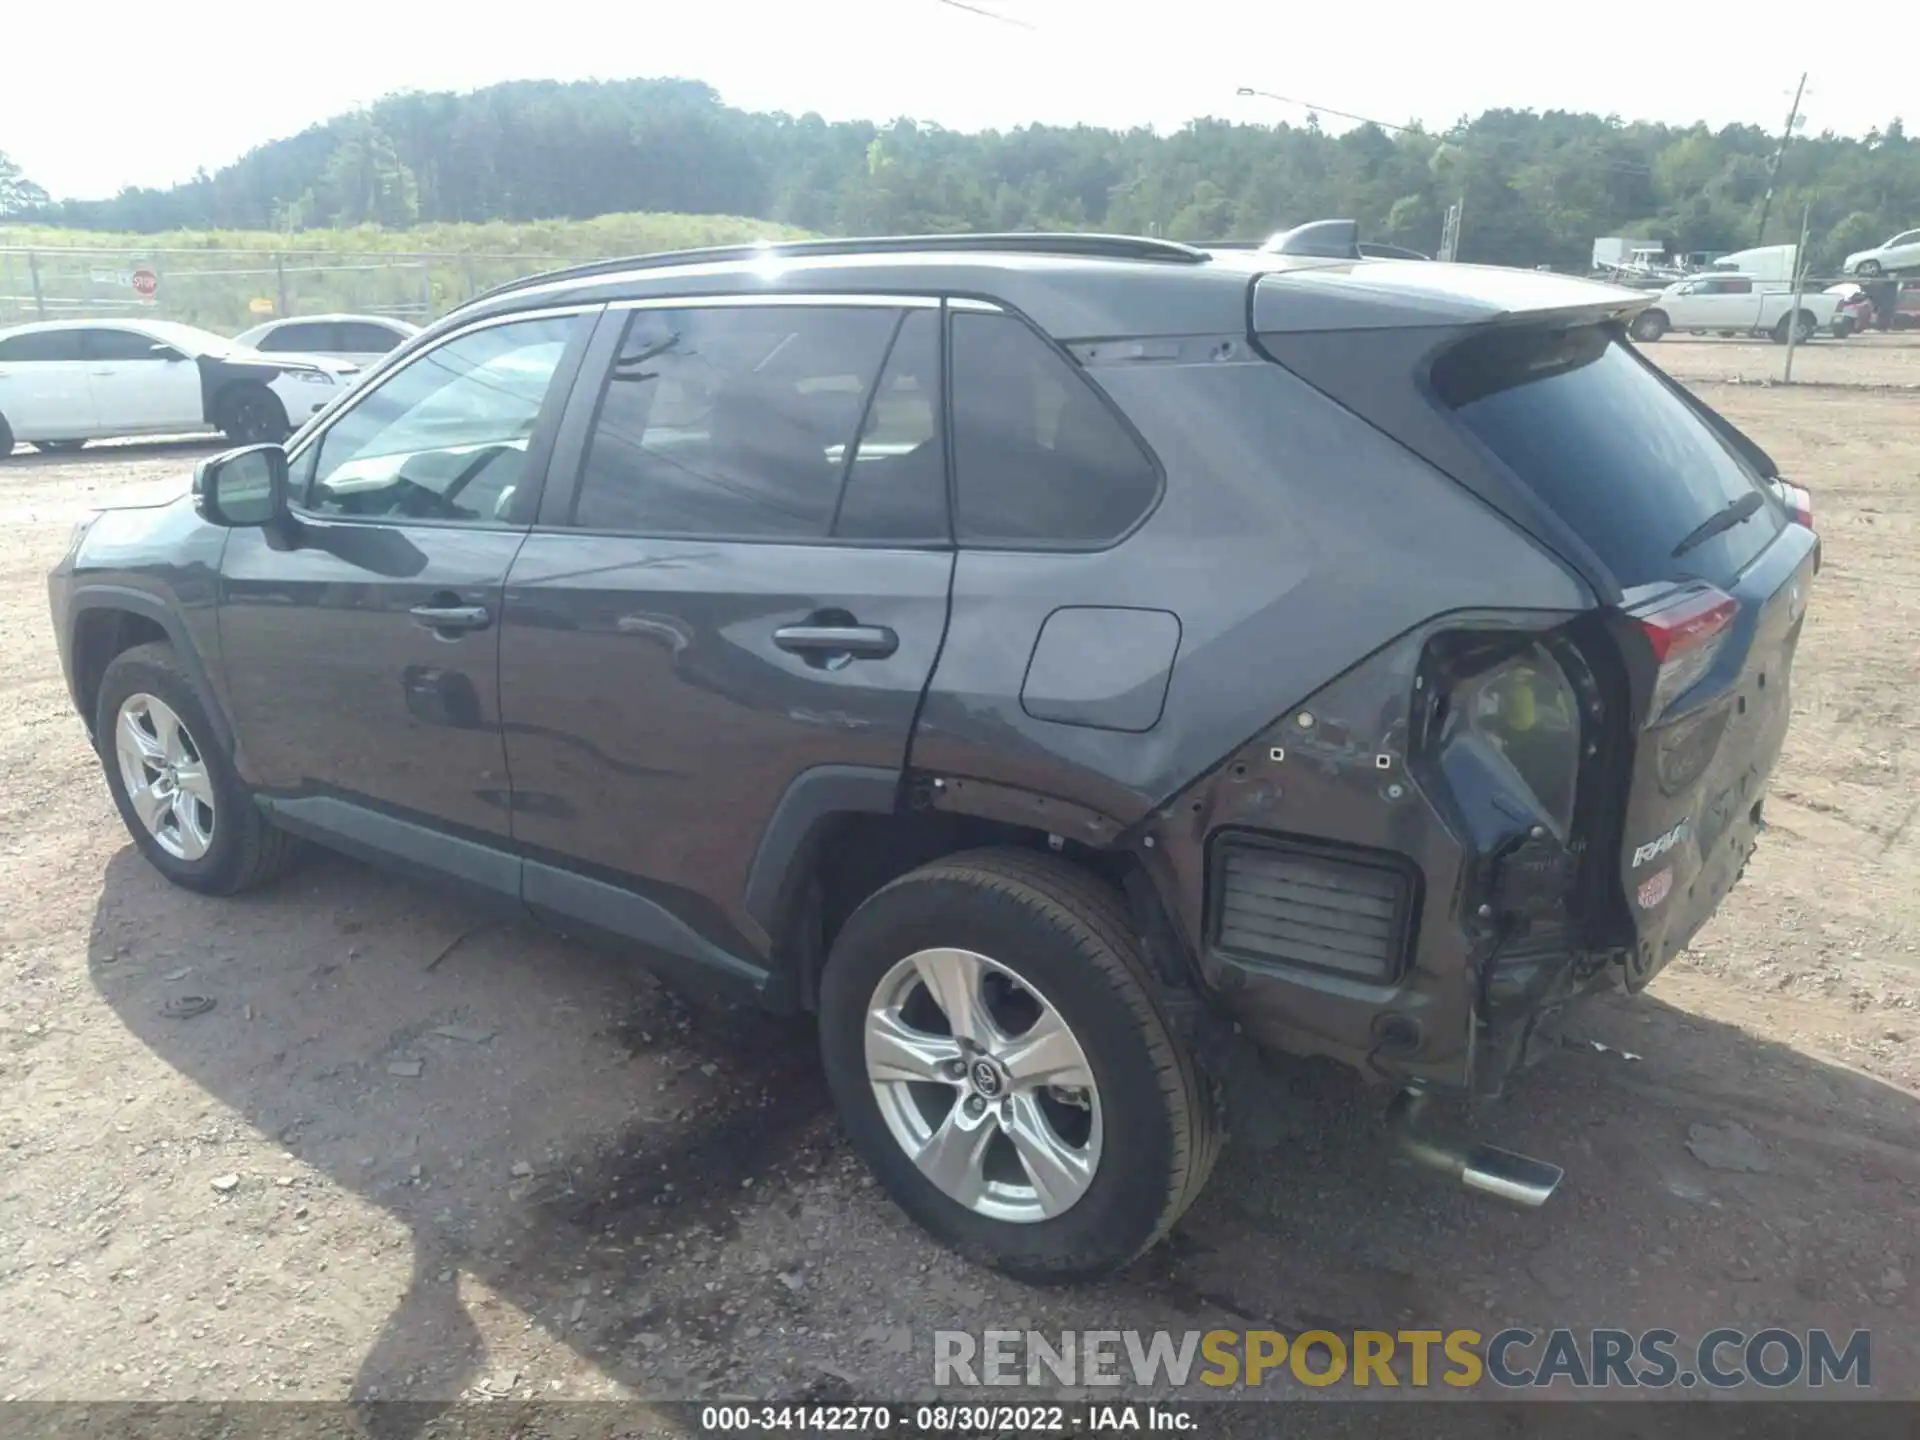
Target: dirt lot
x: 405, y: 1157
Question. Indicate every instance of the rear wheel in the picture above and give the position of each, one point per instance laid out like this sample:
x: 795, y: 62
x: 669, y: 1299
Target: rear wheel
x: 1802, y: 325
x: 59, y: 447
x: 1001, y: 1060
x: 177, y: 790
x: 1649, y: 325
x: 251, y: 414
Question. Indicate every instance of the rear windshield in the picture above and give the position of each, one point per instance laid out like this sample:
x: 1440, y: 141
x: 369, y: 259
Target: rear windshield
x: 1580, y: 418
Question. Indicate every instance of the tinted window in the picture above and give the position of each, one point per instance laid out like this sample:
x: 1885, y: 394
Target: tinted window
x: 1039, y: 457
x: 45, y: 345
x: 445, y: 435
x: 732, y: 421
x: 291, y: 339
x: 359, y: 338
x: 124, y: 345
x: 897, y: 488
x: 1619, y: 457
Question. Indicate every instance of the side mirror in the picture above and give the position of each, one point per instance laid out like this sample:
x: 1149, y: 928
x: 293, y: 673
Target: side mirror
x: 244, y: 488
x: 163, y: 351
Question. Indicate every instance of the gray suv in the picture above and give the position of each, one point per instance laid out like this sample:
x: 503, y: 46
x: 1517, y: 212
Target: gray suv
x: 1042, y: 658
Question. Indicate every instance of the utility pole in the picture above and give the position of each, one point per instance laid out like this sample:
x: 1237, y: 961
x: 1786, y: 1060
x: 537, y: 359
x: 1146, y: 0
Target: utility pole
x: 1450, y: 230
x: 1799, y: 287
x: 1773, y: 170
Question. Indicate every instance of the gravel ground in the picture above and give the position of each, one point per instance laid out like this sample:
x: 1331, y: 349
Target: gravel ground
x: 406, y: 1157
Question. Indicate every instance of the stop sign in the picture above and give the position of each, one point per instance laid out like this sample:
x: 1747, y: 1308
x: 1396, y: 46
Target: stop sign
x: 146, y: 284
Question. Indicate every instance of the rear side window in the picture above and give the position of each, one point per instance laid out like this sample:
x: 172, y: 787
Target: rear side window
x: 1583, y: 421
x: 43, y: 346
x: 746, y: 422
x: 1040, y: 459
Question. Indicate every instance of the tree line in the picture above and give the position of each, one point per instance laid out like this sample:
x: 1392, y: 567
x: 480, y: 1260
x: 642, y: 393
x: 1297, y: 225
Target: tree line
x: 1535, y: 189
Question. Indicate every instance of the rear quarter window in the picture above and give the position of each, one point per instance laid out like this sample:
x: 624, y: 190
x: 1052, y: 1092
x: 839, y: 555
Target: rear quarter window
x: 1582, y: 419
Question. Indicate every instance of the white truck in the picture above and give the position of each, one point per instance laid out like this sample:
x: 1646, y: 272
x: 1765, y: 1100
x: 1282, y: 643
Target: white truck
x: 1716, y: 303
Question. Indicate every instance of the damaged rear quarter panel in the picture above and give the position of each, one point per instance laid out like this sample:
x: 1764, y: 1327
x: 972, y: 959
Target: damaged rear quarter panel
x: 1293, y: 541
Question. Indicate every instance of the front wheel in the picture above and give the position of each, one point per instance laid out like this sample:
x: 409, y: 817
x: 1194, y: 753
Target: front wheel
x: 995, y: 1045
x: 251, y: 414
x: 183, y: 802
x: 6, y: 438
x: 1867, y: 267
x: 1649, y: 325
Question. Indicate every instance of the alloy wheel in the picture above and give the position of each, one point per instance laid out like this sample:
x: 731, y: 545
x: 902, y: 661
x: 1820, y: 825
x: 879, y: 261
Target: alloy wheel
x: 984, y: 1085
x: 165, y: 776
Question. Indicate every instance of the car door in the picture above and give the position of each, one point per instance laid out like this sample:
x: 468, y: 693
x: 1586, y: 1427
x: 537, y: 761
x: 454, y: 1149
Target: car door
x: 141, y: 385
x: 1903, y: 251
x: 738, y: 600
x: 43, y: 386
x: 361, y: 652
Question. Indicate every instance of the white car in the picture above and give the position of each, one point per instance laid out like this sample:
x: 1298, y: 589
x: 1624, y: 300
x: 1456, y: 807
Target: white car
x: 65, y: 382
x: 1902, y: 252
x: 1714, y: 303
x: 361, y: 339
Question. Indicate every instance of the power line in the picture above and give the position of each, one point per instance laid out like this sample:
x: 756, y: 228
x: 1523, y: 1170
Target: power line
x: 988, y: 14
x: 1496, y: 142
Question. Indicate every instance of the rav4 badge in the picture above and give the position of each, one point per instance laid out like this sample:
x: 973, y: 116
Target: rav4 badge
x: 1659, y: 845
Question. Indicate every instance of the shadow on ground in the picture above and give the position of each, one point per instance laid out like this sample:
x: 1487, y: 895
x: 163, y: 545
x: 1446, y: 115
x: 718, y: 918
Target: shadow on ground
x: 658, y: 1183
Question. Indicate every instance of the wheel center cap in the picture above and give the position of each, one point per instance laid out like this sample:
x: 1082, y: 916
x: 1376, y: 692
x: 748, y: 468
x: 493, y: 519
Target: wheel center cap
x: 986, y: 1079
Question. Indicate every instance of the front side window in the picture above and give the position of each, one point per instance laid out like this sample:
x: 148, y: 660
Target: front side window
x: 357, y: 337
x: 291, y: 339
x: 1039, y: 458
x: 445, y: 436
x: 737, y: 422
x: 125, y: 345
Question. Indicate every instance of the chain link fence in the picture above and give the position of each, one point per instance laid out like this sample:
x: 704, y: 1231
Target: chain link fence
x: 228, y: 290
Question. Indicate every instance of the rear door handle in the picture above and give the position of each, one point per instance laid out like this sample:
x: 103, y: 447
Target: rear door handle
x: 445, y: 618
x: 820, y: 642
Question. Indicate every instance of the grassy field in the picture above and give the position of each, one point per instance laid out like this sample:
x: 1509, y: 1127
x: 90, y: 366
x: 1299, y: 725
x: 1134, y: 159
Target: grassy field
x: 227, y: 279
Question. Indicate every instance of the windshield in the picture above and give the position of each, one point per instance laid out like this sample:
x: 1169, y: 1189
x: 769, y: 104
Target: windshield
x: 1584, y: 421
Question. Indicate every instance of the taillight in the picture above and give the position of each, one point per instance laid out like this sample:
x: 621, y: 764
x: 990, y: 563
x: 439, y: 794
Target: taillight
x: 1798, y: 500
x: 1685, y: 633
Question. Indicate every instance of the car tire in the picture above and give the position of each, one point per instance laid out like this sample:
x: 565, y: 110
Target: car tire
x: 1868, y: 268
x: 59, y: 447
x: 1126, y: 1153
x: 6, y: 438
x: 1649, y: 325
x: 1805, y: 324
x: 206, y: 833
x: 251, y: 414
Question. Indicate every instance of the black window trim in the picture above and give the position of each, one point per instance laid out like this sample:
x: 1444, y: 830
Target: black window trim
x: 562, y: 497
x: 541, y: 447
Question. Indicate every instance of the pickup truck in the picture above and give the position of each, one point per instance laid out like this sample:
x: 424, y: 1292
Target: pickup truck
x: 1734, y: 305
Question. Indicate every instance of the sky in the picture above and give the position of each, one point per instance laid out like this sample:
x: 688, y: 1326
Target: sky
x: 198, y: 85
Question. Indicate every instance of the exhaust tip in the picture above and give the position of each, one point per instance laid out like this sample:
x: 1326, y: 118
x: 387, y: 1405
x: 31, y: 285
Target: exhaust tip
x: 1485, y: 1169
x: 1518, y: 1179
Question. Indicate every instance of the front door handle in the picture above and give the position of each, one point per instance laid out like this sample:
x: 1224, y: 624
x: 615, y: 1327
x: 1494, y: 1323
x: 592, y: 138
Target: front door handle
x: 820, y: 643
x: 445, y: 619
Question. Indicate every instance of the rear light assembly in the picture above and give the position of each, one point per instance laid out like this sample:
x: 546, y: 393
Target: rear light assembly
x: 1797, y: 499
x: 1685, y: 633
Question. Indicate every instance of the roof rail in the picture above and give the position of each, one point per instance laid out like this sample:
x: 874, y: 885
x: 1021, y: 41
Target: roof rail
x: 1326, y: 239
x: 1039, y: 242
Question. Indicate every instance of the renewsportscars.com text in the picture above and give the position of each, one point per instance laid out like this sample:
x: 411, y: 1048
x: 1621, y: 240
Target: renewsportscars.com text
x: 1510, y: 1359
